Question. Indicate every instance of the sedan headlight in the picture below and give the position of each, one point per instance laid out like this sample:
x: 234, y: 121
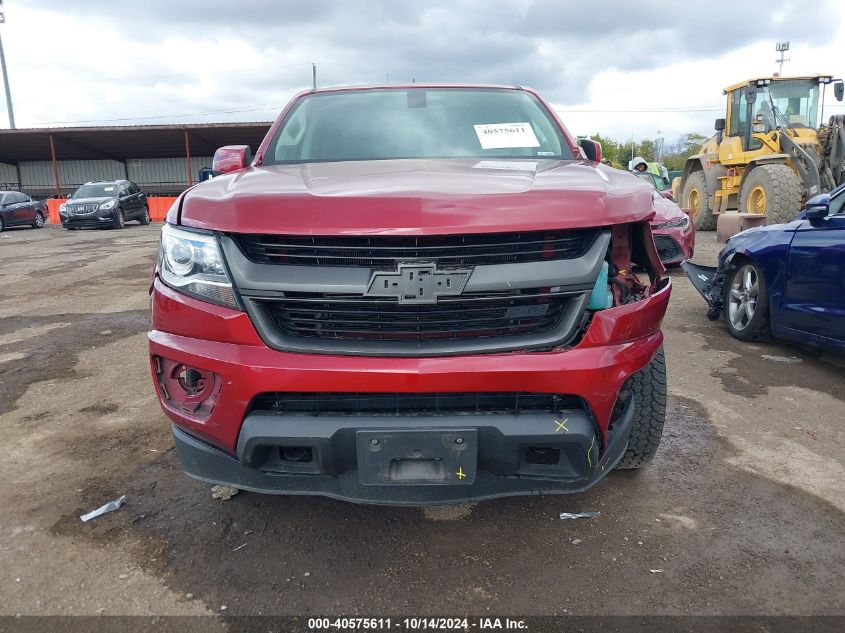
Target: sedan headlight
x: 681, y: 223
x: 108, y: 204
x: 191, y: 263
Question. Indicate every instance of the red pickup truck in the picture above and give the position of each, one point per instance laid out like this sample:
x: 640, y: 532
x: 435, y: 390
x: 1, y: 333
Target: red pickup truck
x: 411, y: 295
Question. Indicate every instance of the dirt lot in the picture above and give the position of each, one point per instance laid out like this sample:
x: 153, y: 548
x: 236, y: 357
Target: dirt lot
x: 742, y: 511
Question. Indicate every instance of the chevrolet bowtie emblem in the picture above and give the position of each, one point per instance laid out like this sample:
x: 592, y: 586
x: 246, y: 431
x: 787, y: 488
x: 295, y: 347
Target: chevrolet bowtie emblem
x: 418, y: 283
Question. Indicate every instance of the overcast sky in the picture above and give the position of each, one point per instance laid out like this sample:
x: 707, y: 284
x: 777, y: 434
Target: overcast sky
x: 612, y: 66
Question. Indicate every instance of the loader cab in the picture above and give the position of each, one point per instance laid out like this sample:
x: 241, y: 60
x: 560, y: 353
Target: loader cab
x: 758, y: 108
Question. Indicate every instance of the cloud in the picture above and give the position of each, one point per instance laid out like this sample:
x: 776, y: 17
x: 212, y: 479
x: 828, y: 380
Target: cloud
x: 161, y: 58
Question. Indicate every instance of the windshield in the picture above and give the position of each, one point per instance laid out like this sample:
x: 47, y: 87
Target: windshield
x: 417, y: 123
x: 96, y: 191
x: 794, y: 102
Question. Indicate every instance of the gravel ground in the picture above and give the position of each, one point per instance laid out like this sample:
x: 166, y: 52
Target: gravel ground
x: 741, y: 512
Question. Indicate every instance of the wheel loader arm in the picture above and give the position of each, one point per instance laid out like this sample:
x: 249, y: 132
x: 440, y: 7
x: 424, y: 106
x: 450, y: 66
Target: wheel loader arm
x: 803, y: 164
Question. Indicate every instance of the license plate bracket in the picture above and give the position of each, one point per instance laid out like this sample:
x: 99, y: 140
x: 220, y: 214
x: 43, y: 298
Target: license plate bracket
x: 417, y: 457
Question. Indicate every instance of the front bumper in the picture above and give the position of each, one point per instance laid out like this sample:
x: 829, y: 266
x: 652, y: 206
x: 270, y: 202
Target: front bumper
x: 94, y: 220
x: 500, y: 445
x: 617, y: 343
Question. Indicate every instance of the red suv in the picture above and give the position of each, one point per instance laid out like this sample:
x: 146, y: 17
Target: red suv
x: 411, y: 295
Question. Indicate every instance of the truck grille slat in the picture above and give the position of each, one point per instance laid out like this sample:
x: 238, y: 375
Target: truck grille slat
x: 460, y: 403
x: 379, y: 251
x: 503, y: 314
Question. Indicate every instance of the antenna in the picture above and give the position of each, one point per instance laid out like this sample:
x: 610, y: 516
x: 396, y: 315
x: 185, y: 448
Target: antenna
x: 781, y: 47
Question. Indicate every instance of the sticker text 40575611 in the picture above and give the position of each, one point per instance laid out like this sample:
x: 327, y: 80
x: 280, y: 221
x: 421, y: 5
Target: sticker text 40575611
x: 505, y: 135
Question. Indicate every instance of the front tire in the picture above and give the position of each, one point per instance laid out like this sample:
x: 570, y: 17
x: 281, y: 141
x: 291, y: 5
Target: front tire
x: 144, y: 220
x: 747, y: 303
x: 2, y: 225
x: 119, y: 219
x: 773, y: 190
x: 649, y: 389
x: 39, y: 220
x: 694, y: 196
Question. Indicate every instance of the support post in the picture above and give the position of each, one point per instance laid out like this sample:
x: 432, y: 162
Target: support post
x: 6, y: 85
x: 55, y: 168
x: 188, y: 159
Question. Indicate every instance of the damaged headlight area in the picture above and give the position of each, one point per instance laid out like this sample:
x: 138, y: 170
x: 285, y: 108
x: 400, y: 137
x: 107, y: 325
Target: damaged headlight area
x: 190, y: 262
x: 681, y: 223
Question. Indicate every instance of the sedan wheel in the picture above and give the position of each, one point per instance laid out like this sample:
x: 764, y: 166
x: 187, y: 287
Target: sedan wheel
x: 39, y: 221
x: 746, y: 303
x: 745, y: 292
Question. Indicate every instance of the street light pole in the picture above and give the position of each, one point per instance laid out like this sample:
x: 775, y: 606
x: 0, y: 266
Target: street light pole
x: 5, y: 74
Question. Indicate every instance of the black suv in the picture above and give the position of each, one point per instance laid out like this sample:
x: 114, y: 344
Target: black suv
x: 105, y: 204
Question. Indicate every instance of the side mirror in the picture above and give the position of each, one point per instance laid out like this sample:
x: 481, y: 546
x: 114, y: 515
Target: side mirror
x: 720, y: 125
x: 592, y: 149
x: 668, y: 195
x: 817, y: 207
x: 838, y: 90
x: 231, y: 158
x: 751, y: 93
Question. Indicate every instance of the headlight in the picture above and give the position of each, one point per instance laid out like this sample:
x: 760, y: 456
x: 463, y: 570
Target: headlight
x: 191, y: 263
x: 62, y: 208
x: 107, y: 204
x: 671, y: 224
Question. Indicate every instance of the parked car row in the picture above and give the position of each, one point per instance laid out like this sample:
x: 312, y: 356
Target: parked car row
x: 99, y: 204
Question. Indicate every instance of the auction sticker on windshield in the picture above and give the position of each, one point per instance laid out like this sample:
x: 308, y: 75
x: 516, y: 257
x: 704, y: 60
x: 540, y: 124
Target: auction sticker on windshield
x: 506, y: 135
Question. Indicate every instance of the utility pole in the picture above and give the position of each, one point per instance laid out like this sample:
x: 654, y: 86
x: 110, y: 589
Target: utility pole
x: 781, y: 47
x: 314, y: 75
x: 5, y: 74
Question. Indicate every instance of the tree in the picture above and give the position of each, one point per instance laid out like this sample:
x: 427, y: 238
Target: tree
x: 674, y: 156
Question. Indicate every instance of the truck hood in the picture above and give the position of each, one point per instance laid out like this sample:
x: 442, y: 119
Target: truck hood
x: 416, y: 197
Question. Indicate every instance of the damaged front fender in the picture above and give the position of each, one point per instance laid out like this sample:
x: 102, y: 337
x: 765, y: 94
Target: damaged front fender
x: 710, y: 283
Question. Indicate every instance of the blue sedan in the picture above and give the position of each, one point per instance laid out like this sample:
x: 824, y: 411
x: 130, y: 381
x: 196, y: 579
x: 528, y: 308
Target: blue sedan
x: 787, y: 280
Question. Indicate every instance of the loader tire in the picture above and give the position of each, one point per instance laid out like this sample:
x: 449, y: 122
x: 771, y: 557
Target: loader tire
x: 774, y: 190
x: 694, y: 196
x: 649, y: 389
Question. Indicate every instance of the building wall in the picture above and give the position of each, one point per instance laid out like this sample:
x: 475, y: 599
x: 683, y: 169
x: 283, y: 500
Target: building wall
x: 165, y: 170
x: 157, y: 173
x: 8, y: 175
x: 39, y: 174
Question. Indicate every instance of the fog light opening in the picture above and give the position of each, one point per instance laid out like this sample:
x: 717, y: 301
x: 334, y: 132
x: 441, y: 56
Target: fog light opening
x: 545, y: 455
x: 188, y: 389
x: 191, y: 380
x: 301, y: 454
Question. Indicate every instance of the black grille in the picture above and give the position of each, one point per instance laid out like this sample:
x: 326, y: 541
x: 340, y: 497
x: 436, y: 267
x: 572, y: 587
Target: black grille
x: 476, y: 403
x: 350, y: 317
x: 74, y: 209
x: 445, y: 250
x: 667, y: 248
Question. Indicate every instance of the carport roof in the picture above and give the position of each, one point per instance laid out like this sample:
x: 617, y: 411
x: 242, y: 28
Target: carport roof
x: 125, y: 142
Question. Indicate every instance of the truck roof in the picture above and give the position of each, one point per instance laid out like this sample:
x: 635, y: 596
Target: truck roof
x: 408, y: 86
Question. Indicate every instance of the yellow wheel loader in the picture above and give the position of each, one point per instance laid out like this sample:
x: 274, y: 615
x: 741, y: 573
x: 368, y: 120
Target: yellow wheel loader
x: 767, y: 157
